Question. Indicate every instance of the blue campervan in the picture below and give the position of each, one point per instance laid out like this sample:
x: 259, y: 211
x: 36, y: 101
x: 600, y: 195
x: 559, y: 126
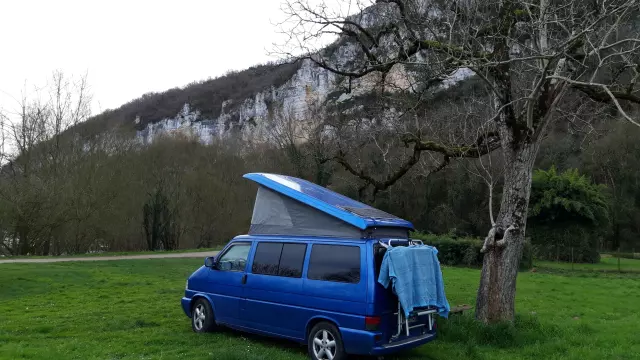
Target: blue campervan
x: 308, y: 271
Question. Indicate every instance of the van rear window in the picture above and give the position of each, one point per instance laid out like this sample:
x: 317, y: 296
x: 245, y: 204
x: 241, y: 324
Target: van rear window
x: 340, y: 263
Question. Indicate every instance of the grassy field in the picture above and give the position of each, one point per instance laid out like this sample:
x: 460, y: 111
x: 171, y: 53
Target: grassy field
x: 115, y: 253
x: 606, y: 264
x: 130, y: 310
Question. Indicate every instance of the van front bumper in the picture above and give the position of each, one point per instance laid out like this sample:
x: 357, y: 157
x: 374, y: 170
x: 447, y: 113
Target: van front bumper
x: 364, y: 342
x: 186, y: 305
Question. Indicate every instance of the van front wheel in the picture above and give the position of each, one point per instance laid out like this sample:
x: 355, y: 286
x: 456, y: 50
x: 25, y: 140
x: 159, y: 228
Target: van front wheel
x: 202, y: 319
x: 325, y: 343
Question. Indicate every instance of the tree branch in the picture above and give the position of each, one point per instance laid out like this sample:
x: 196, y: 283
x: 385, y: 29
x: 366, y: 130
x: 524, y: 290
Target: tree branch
x: 485, y: 144
x: 602, y: 93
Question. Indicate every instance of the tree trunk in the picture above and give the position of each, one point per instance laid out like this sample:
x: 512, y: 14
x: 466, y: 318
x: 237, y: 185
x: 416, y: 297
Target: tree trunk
x: 22, y: 229
x: 497, y: 291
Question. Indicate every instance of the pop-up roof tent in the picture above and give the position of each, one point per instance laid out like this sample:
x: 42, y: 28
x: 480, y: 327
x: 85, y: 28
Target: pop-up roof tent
x: 286, y: 205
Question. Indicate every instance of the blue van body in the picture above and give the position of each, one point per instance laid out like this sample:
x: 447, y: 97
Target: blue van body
x: 283, y: 285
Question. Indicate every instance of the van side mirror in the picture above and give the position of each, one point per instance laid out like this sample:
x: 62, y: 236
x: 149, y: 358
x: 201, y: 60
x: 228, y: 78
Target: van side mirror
x: 210, y: 262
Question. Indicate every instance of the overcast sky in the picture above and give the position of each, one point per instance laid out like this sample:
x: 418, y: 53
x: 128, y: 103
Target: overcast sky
x: 130, y: 47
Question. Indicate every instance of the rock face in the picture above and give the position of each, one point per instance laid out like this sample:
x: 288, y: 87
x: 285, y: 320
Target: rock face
x: 252, y: 118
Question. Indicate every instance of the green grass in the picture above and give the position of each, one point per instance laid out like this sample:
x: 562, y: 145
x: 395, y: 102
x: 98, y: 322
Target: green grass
x: 606, y: 264
x: 130, y: 310
x: 116, y: 253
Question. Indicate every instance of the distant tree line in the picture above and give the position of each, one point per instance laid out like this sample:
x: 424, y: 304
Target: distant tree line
x: 66, y: 192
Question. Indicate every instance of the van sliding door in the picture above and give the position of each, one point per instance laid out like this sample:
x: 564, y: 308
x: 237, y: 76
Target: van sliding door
x: 273, y: 293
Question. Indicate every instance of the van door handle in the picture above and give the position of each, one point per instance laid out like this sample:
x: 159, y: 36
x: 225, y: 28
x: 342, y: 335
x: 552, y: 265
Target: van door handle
x: 244, y: 279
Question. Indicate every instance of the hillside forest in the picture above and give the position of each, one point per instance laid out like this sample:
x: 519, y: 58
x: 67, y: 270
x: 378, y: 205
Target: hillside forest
x: 68, y: 192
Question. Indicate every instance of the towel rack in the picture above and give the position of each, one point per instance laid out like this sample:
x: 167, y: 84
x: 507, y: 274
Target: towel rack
x: 410, y: 242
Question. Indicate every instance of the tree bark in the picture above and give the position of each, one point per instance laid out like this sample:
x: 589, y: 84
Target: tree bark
x: 496, y: 294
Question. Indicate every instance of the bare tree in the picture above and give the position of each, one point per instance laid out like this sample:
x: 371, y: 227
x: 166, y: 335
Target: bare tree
x: 69, y: 103
x: 537, y: 62
x: 35, y: 179
x: 285, y: 131
x: 302, y: 138
x: 3, y: 138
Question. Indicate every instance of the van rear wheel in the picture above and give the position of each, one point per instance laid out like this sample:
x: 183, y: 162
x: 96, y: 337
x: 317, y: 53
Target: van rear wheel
x: 325, y: 343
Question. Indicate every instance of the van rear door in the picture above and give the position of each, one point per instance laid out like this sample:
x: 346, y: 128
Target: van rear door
x: 385, y: 303
x: 386, y: 306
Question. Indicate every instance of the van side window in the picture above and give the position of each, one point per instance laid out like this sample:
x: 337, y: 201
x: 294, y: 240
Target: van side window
x: 292, y: 260
x: 235, y: 258
x: 280, y: 259
x: 267, y: 258
x: 339, y: 263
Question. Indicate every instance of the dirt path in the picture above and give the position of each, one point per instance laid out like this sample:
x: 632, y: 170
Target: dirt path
x: 201, y: 254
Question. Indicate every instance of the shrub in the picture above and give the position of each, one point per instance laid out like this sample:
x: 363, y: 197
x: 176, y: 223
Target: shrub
x: 567, y: 216
x: 624, y: 255
x: 465, y: 251
x: 569, y: 243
